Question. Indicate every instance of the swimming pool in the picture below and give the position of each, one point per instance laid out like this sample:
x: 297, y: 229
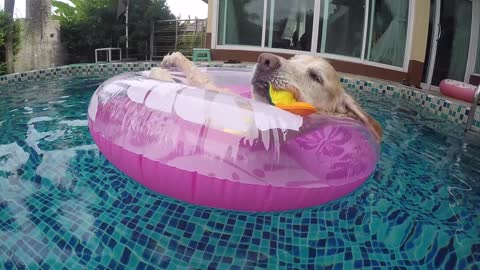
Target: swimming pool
x: 64, y: 206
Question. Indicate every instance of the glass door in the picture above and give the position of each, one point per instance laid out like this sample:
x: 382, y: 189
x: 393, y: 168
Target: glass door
x: 450, y: 41
x: 473, y: 67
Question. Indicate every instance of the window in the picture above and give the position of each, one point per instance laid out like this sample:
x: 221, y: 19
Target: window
x: 341, y: 31
x: 289, y: 24
x: 345, y: 27
x: 387, y: 35
x: 240, y: 22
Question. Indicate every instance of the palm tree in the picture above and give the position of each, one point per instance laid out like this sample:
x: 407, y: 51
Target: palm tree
x: 9, y: 6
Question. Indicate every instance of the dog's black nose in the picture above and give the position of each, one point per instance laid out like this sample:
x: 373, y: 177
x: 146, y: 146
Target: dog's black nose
x: 268, y: 61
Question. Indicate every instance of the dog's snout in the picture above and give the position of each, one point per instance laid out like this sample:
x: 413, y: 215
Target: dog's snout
x: 268, y: 61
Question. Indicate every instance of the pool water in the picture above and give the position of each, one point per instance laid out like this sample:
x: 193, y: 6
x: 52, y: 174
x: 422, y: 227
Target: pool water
x: 64, y: 206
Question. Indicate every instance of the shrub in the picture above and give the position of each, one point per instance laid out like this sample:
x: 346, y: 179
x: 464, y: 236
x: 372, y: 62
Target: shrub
x: 8, y: 24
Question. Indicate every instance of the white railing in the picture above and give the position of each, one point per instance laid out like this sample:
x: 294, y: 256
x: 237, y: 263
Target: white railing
x: 168, y: 36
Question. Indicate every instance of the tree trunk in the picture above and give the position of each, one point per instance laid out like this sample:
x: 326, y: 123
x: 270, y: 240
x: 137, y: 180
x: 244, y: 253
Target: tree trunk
x: 9, y: 6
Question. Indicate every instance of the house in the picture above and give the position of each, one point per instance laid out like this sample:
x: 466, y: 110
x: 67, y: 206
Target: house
x: 419, y: 42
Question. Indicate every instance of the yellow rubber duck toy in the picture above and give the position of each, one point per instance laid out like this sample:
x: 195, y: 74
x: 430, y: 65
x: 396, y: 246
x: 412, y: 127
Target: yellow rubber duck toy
x: 285, y: 100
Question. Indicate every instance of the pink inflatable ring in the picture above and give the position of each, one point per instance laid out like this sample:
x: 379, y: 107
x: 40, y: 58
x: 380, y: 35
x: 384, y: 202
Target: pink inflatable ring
x: 226, y: 151
x: 457, y: 89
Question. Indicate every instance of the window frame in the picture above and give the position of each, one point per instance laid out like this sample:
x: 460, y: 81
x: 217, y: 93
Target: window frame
x: 474, y: 42
x: 314, y: 45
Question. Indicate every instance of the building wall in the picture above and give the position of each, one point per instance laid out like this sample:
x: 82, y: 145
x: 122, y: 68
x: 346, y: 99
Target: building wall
x: 415, y: 65
x: 210, y: 17
x: 420, y: 30
x: 210, y: 26
x: 419, y: 41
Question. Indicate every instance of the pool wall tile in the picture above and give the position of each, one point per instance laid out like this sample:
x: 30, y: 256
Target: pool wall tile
x: 446, y: 109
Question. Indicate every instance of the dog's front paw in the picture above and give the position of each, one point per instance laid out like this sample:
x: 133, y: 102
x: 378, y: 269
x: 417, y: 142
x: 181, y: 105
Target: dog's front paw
x: 161, y: 74
x: 172, y: 60
x: 168, y: 61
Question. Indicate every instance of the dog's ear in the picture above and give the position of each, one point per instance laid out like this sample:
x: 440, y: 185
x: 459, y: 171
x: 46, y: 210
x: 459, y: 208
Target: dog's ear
x: 350, y: 106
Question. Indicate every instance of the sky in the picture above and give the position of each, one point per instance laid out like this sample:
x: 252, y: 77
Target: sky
x: 183, y: 8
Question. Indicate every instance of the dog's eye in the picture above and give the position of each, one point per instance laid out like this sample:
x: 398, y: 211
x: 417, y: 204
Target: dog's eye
x: 315, y: 77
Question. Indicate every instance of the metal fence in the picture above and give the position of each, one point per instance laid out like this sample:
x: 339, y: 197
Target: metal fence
x: 167, y: 36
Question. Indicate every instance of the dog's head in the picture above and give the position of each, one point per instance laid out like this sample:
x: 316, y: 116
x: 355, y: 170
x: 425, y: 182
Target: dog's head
x: 311, y: 79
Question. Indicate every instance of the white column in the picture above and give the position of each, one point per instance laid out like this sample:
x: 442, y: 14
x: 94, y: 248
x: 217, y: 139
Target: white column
x: 316, y: 24
x: 326, y: 11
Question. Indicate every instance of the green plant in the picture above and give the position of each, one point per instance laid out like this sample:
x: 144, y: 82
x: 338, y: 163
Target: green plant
x: 8, y: 24
x: 188, y: 41
x: 90, y: 24
x: 3, y: 68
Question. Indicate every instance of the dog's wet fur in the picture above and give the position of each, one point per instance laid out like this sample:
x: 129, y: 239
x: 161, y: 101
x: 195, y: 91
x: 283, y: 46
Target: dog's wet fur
x: 310, y: 78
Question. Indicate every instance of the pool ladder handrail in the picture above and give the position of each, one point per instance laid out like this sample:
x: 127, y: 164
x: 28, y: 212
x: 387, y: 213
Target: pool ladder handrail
x: 473, y: 109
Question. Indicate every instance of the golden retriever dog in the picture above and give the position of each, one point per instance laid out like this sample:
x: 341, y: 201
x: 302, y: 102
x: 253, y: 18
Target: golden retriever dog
x: 310, y: 78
